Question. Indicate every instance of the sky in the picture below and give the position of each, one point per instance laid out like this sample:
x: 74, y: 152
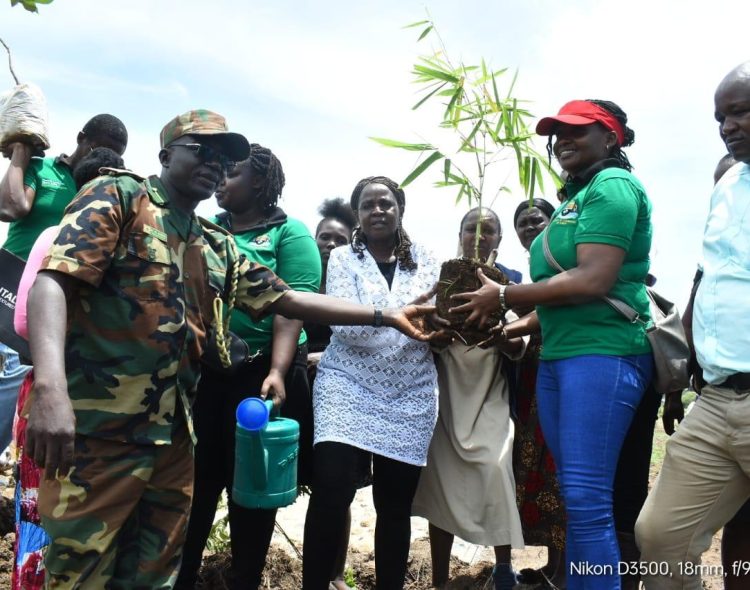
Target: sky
x: 315, y: 80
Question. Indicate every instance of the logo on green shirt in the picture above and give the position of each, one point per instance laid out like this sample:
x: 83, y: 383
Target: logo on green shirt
x: 570, y: 213
x: 51, y: 183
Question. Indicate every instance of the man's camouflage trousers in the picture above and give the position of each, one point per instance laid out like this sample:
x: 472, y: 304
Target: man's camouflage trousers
x: 119, y: 519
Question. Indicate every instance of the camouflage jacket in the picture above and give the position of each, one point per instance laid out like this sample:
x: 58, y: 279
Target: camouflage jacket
x: 148, y: 276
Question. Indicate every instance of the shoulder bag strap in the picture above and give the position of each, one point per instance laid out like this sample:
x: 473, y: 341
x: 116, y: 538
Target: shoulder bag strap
x: 619, y: 306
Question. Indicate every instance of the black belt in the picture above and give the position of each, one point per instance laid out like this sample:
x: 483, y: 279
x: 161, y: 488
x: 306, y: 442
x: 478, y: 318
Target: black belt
x: 740, y: 382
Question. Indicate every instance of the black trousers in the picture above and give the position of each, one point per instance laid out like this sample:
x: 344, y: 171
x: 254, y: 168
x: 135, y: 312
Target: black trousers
x: 631, y: 477
x: 214, y: 419
x: 336, y: 473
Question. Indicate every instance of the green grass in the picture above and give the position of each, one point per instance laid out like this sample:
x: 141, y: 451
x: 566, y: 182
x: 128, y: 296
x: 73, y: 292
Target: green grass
x: 350, y: 578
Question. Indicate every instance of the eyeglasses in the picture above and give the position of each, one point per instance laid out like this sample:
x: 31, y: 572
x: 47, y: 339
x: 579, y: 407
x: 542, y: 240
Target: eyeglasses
x: 207, y: 154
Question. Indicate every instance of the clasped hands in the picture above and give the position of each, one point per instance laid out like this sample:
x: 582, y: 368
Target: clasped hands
x: 480, y: 305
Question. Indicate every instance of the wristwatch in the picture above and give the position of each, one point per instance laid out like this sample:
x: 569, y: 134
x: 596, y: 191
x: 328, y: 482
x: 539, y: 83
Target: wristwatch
x: 503, y: 305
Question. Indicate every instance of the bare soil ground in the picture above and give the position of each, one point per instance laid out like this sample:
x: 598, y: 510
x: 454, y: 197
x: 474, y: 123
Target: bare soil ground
x: 471, y: 566
x: 283, y: 570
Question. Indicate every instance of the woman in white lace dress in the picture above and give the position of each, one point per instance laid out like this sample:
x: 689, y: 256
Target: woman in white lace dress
x: 374, y: 397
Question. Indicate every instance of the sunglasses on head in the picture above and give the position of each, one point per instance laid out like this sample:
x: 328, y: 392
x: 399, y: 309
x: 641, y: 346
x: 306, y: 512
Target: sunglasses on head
x: 207, y: 154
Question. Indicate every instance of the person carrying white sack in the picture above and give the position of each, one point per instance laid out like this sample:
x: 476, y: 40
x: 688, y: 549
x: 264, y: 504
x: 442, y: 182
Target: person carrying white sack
x: 34, y: 192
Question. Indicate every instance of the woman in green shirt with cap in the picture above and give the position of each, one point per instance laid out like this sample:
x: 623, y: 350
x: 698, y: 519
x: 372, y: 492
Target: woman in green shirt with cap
x: 595, y: 365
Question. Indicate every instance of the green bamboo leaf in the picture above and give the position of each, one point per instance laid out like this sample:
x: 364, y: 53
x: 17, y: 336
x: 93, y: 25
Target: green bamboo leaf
x: 507, y: 124
x: 461, y: 194
x: 451, y: 113
x: 412, y: 147
x: 443, y: 184
x: 519, y: 161
x: 435, y: 73
x: 429, y: 161
x: 532, y: 177
x: 416, y: 24
x: 513, y: 83
x: 467, y: 142
x: 526, y: 171
x: 458, y: 179
x: 425, y: 33
x: 427, y: 96
x: 447, y: 169
x: 538, y: 175
x: 494, y: 90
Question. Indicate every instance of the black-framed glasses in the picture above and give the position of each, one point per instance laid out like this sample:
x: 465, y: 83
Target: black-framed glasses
x: 207, y: 154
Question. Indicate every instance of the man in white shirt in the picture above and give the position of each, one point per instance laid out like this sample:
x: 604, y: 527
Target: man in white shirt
x: 705, y: 477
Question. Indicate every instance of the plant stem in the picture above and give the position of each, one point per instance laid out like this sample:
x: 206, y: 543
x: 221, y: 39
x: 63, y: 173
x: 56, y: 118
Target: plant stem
x: 10, y: 62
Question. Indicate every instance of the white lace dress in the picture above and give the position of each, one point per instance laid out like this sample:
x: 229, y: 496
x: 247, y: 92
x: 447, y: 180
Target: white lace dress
x: 376, y: 388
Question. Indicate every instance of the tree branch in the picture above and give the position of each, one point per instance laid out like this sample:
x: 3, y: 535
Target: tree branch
x: 10, y: 62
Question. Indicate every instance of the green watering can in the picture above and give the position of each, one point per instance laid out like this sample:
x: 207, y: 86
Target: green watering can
x: 265, y: 457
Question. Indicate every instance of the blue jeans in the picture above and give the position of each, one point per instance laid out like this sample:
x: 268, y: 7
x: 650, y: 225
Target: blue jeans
x: 586, y: 404
x: 12, y: 373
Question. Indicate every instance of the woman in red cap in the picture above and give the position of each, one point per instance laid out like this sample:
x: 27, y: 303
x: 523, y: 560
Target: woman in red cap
x: 595, y: 365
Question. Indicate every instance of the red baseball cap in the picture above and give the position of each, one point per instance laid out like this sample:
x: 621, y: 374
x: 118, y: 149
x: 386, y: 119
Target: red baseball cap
x: 582, y: 112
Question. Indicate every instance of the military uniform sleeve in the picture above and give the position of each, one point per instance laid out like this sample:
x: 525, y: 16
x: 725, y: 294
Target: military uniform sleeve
x: 257, y: 288
x: 89, y: 233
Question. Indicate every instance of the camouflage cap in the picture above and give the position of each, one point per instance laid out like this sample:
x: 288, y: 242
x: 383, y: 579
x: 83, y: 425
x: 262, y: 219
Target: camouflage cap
x: 204, y: 122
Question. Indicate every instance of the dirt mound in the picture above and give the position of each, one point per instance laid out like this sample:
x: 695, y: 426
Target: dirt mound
x: 6, y: 559
x: 284, y: 572
x: 7, y: 516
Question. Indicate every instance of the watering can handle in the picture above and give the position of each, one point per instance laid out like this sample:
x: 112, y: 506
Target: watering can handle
x: 273, y: 411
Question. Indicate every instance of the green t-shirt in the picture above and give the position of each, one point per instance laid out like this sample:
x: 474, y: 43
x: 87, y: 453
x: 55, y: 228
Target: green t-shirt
x: 288, y: 249
x: 54, y: 188
x: 611, y: 209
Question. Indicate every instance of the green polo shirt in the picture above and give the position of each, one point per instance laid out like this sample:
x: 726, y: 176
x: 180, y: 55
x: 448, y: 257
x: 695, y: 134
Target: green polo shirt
x: 285, y: 246
x: 54, y: 187
x: 612, y: 208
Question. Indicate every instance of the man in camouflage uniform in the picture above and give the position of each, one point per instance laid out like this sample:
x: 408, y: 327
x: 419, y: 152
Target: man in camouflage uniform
x: 130, y: 280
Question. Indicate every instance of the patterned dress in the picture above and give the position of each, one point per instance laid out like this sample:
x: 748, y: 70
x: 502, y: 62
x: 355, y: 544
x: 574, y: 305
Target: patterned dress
x: 537, y: 489
x: 31, y: 540
x: 376, y: 388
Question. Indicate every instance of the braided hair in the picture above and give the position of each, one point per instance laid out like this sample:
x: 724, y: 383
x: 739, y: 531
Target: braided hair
x: 264, y: 163
x: 403, y: 243
x: 627, y: 140
x: 338, y: 210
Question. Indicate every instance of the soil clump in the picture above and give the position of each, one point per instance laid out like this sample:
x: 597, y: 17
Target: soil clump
x: 459, y: 275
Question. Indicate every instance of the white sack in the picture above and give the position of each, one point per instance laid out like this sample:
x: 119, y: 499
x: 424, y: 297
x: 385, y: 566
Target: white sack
x: 23, y: 116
